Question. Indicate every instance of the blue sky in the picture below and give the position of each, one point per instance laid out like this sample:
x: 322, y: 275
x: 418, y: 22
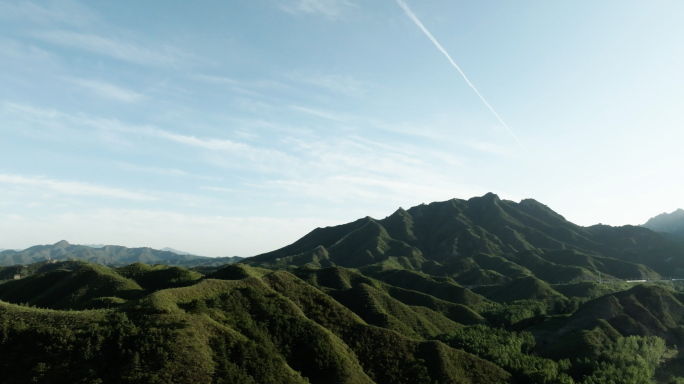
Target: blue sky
x: 233, y: 128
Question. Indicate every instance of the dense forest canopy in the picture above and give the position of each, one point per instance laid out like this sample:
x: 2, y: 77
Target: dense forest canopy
x: 476, y: 291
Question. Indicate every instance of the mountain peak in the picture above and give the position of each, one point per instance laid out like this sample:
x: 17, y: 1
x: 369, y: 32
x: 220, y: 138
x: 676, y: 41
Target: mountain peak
x: 401, y: 212
x: 169, y: 249
x: 667, y: 222
x: 61, y: 244
x: 492, y: 196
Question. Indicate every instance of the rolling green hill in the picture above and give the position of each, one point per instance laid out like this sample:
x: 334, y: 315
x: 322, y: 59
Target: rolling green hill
x: 242, y: 324
x: 275, y: 328
x: 463, y: 291
x: 89, y: 286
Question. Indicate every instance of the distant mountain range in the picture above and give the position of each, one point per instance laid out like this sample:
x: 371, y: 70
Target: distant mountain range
x: 93, y: 245
x: 672, y: 223
x: 483, y: 240
x: 109, y: 255
x: 167, y: 249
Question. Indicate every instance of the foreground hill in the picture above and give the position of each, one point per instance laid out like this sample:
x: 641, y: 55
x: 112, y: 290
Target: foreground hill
x: 107, y: 255
x: 75, y: 321
x: 486, y: 240
x: 80, y: 322
x: 257, y: 326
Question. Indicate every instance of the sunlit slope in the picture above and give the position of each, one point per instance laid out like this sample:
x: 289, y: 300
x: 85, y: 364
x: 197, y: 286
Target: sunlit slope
x: 81, y: 285
x: 483, y: 241
x: 409, y: 312
x: 90, y: 286
x: 590, y: 289
x: 642, y: 310
x: 524, y: 288
x: 9, y: 272
x: 250, y: 328
x: 242, y: 324
x: 153, y: 342
x: 387, y: 356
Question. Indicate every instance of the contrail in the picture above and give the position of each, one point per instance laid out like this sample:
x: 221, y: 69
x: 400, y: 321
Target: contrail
x: 413, y: 17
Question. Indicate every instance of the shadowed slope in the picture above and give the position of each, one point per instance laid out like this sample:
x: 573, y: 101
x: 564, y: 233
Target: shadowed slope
x: 484, y: 240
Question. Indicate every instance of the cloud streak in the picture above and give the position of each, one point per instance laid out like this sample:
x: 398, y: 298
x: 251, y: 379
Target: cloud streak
x: 236, y: 148
x: 73, y: 187
x: 70, y: 13
x: 329, y: 8
x: 338, y: 83
x: 114, y: 48
x: 109, y: 91
x: 338, y: 168
x: 17, y: 51
x: 413, y: 17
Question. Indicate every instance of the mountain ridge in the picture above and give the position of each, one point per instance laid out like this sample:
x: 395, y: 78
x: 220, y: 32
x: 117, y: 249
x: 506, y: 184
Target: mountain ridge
x: 671, y: 223
x: 107, y: 255
x: 445, y: 238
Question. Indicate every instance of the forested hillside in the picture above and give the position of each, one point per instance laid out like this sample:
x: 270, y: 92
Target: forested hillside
x: 486, y: 240
x: 477, y: 291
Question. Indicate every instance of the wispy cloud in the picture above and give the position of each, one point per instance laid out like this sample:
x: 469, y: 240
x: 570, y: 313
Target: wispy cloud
x: 252, y: 88
x: 112, y: 47
x: 388, y: 190
x: 65, y: 12
x: 163, y: 171
x: 109, y: 91
x: 493, y: 148
x: 221, y: 152
x: 320, y: 113
x: 335, y: 166
x: 75, y: 188
x: 14, y: 50
x: 329, y: 8
x: 339, y: 83
x: 219, y: 189
x: 209, y: 143
x: 216, y: 79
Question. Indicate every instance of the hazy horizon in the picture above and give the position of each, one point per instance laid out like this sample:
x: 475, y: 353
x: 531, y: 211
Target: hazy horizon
x: 181, y: 251
x: 225, y: 129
